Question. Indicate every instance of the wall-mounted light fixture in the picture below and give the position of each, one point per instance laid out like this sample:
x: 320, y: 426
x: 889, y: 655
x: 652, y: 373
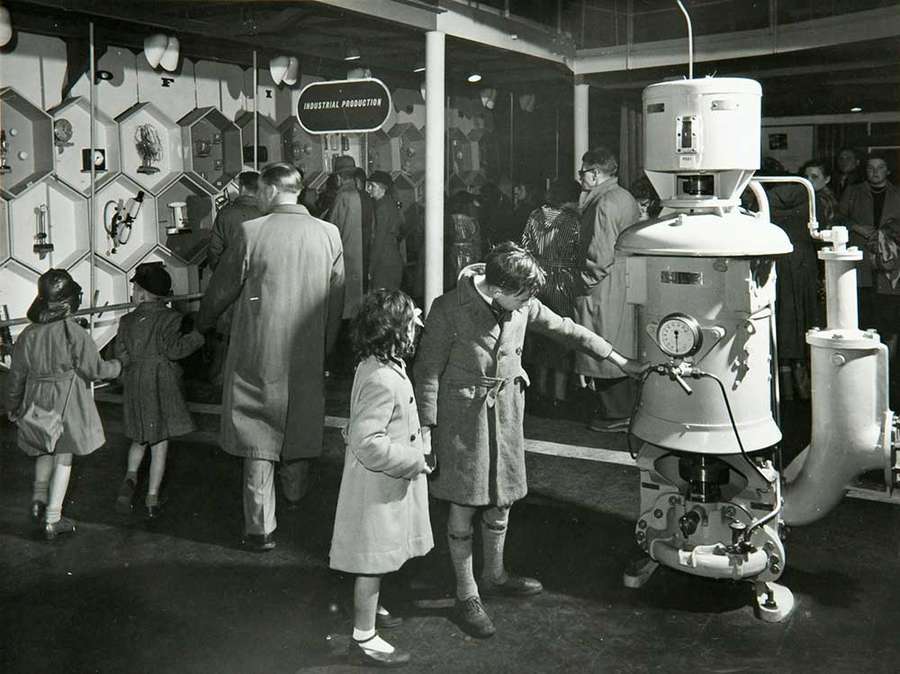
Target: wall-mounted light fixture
x: 169, y: 60
x: 293, y: 71
x: 162, y: 51
x: 5, y: 27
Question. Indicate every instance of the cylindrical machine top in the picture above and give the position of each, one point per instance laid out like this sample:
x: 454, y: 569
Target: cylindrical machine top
x: 702, y: 125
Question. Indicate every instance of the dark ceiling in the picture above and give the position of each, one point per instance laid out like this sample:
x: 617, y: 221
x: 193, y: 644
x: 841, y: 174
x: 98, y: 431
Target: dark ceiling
x: 825, y: 80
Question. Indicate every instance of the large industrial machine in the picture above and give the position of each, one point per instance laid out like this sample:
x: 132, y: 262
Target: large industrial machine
x: 702, y: 274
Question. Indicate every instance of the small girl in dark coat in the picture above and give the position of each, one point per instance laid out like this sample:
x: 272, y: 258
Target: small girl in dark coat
x: 54, y: 362
x: 382, y: 510
x: 149, y: 340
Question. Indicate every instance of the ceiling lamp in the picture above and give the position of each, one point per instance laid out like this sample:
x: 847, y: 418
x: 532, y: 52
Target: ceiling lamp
x: 856, y: 108
x: 169, y: 60
x: 154, y: 48
x: 293, y: 71
x: 351, y: 53
x: 419, y: 67
x: 473, y: 78
x: 278, y: 68
x: 488, y: 98
x: 5, y: 27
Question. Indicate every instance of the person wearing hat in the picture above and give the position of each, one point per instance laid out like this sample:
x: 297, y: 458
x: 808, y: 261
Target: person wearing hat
x: 285, y: 278
x: 149, y: 341
x: 53, y: 363
x: 346, y: 214
x: 385, y: 260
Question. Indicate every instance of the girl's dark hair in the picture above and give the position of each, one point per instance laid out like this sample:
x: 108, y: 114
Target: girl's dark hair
x: 380, y: 327
x: 513, y: 269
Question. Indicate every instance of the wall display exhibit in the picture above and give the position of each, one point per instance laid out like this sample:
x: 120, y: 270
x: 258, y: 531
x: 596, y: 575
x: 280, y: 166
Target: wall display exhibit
x: 411, y: 147
x: 303, y: 150
x: 184, y: 213
x: 212, y: 147
x: 4, y: 230
x: 48, y: 226
x: 18, y: 286
x: 463, y: 155
x: 151, y: 146
x: 269, y: 146
x: 408, y: 189
x: 128, y: 217
x: 26, y: 143
x: 381, y: 153
x: 72, y: 140
x: 110, y: 287
x: 484, y: 151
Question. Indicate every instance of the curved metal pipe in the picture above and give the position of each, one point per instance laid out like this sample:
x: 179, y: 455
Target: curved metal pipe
x: 813, y: 224
x: 709, y: 561
x: 687, y: 17
x: 762, y: 201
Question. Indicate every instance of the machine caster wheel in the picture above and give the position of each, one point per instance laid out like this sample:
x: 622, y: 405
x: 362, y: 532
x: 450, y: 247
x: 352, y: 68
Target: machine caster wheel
x: 774, y: 602
x: 639, y: 572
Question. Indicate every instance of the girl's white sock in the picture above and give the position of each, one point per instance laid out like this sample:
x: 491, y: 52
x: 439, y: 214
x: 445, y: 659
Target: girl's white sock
x: 372, y: 642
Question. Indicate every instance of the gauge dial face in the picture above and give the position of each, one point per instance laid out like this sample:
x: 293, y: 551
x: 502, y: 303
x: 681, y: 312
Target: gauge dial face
x: 679, y: 335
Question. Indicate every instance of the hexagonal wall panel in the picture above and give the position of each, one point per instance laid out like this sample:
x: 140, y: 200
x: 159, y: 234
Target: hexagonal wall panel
x: 411, y: 151
x: 18, y: 288
x: 212, y: 147
x: 72, y: 142
x: 197, y: 209
x: 27, y: 143
x: 151, y: 146
x: 270, y: 148
x: 119, y: 193
x: 302, y: 149
x: 184, y: 277
x: 55, y: 209
x: 4, y: 231
x: 110, y: 287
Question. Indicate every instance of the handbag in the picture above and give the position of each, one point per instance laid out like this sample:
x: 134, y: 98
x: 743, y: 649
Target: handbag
x: 39, y: 428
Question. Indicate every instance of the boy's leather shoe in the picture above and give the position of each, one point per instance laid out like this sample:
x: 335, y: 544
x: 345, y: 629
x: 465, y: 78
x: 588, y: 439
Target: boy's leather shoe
x: 473, y: 618
x: 259, y: 542
x: 387, y: 621
x: 360, y: 655
x: 38, y: 508
x: 514, y: 586
x: 54, y: 529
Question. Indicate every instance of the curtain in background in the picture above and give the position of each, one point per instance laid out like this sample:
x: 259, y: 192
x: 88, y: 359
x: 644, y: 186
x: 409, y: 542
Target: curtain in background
x: 631, y: 143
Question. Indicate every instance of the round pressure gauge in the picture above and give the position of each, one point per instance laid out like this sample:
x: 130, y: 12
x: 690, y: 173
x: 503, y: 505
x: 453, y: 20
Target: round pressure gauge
x: 679, y: 335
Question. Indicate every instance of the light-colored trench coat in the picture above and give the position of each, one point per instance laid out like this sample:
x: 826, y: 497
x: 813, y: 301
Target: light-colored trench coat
x: 285, y: 276
x: 606, y: 211
x: 470, y: 383
x: 41, y: 371
x: 382, y: 510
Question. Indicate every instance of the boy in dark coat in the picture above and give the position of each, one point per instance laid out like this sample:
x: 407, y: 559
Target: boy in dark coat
x: 150, y: 339
x: 470, y: 387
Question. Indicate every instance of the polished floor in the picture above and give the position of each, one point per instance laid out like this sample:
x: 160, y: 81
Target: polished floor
x: 180, y: 595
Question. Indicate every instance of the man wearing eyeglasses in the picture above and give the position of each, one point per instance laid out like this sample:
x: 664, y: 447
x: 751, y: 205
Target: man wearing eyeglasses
x: 606, y: 210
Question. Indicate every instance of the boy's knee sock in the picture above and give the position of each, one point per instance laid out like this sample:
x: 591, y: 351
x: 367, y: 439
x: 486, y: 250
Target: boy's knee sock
x: 40, y: 491
x: 493, y: 538
x: 460, y: 543
x: 43, y: 471
x: 59, y: 483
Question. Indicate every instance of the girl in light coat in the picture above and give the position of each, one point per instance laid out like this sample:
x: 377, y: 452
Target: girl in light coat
x: 382, y: 512
x: 53, y: 364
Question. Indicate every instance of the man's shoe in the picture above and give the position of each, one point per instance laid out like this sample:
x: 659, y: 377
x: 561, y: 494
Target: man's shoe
x: 155, y: 509
x: 473, y: 619
x: 38, y: 508
x: 358, y: 654
x: 126, y: 495
x: 514, y: 586
x: 259, y: 542
x: 387, y: 621
x: 54, y: 529
x: 602, y: 425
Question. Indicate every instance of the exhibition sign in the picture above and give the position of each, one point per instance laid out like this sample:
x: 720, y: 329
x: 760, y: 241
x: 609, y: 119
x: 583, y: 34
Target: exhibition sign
x: 344, y: 106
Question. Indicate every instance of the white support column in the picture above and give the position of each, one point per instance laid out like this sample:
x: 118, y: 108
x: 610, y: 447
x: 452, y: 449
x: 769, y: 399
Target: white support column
x: 434, y: 166
x: 581, y: 122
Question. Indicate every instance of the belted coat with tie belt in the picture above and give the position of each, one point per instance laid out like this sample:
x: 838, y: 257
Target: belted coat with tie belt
x: 470, y: 386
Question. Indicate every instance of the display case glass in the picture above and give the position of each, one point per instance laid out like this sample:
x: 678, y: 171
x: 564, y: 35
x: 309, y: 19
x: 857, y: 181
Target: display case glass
x: 151, y: 146
x: 303, y: 150
x: 411, y: 148
x: 49, y: 226
x: 462, y: 156
x: 72, y: 145
x: 115, y: 208
x: 185, y: 216
x: 211, y: 144
x: 26, y: 143
x: 110, y: 287
x: 380, y: 154
x: 270, y: 149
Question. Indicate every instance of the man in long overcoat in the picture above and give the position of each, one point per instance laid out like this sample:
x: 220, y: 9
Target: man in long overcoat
x: 606, y: 210
x: 285, y: 276
x: 470, y: 389
x: 347, y: 215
